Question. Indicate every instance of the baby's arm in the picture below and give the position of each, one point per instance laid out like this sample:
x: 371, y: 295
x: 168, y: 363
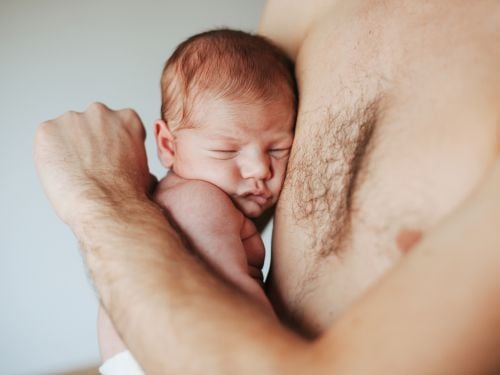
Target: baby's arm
x: 109, y: 341
x: 254, y: 250
x: 218, y: 232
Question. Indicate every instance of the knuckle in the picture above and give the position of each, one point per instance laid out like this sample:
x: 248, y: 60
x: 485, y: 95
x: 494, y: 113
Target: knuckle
x: 130, y: 114
x: 44, y: 128
x: 70, y: 114
x: 133, y: 121
x: 97, y: 107
x: 43, y: 133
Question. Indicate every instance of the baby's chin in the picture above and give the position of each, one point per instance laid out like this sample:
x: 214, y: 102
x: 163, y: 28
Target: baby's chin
x: 253, y: 213
x: 250, y: 209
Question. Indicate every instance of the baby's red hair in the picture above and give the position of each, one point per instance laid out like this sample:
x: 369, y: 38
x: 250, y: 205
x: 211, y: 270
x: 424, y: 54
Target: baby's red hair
x: 225, y: 64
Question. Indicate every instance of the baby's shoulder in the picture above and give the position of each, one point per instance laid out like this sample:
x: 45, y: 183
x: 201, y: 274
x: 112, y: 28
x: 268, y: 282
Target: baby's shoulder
x: 198, y: 200
x: 189, y: 192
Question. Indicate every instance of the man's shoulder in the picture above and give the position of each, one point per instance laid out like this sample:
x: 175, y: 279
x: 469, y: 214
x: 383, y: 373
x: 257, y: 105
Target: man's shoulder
x: 277, y: 17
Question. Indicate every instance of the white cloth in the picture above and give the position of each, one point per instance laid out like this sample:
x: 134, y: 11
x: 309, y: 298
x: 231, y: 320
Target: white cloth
x: 121, y: 364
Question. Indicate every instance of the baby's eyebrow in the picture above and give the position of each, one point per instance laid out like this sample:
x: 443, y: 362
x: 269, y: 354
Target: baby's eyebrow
x: 219, y: 136
x: 282, y: 139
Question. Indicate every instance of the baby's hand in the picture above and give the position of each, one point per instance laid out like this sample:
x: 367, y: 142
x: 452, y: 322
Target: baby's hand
x: 254, y: 249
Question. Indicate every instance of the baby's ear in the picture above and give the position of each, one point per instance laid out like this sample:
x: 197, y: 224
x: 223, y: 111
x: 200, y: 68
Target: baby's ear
x: 165, y: 142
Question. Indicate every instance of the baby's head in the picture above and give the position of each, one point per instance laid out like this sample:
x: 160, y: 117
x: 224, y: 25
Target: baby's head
x: 229, y: 102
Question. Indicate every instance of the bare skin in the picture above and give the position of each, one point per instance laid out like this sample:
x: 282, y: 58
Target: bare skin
x: 229, y: 167
x: 216, y: 231
x: 405, y: 119
x: 422, y: 77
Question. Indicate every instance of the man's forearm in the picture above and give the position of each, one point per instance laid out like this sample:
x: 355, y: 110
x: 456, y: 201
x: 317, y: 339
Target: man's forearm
x: 182, y: 318
x: 173, y: 313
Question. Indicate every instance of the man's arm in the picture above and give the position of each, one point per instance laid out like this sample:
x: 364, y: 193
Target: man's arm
x: 287, y: 22
x: 436, y: 312
x: 174, y: 315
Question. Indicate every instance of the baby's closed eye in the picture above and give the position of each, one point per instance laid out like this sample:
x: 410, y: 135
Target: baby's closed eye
x: 223, y: 154
x: 279, y: 152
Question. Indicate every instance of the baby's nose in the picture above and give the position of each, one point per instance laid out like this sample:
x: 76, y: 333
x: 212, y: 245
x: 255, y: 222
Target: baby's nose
x: 258, y: 167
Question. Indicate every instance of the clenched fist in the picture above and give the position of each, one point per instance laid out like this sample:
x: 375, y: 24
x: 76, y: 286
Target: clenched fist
x: 92, y: 158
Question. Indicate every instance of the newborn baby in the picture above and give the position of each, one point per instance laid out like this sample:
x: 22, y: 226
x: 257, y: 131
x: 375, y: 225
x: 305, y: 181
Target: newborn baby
x: 228, y: 111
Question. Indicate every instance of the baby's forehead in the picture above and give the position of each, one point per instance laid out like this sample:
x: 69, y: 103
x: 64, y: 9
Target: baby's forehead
x: 215, y: 113
x: 219, y: 104
x: 256, y: 130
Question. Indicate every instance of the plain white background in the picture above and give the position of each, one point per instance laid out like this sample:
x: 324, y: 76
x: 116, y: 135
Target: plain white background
x: 56, y: 56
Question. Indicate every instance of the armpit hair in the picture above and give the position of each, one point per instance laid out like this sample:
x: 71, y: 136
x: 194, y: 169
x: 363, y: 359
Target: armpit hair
x: 324, y: 174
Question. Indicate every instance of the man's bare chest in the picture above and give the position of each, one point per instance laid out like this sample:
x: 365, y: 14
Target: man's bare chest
x: 381, y: 127
x: 377, y: 153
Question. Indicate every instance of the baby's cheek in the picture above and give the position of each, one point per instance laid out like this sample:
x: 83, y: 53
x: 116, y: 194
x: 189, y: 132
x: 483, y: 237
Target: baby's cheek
x: 229, y: 178
x: 281, y: 171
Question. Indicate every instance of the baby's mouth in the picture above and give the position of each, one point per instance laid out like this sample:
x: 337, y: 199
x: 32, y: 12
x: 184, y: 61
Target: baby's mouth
x: 260, y: 199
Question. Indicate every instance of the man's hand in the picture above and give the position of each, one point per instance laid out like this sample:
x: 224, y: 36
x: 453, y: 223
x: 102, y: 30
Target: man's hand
x: 89, y: 157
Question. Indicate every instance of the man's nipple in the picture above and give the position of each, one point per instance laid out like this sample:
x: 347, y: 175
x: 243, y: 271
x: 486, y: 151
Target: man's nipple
x: 407, y: 238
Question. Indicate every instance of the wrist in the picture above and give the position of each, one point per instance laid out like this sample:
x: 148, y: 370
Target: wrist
x: 102, y: 202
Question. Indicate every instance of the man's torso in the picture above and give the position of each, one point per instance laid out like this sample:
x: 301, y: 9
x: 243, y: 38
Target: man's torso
x: 396, y: 127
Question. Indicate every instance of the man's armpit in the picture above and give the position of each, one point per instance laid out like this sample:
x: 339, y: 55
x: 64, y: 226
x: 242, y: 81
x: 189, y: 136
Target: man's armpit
x: 324, y: 171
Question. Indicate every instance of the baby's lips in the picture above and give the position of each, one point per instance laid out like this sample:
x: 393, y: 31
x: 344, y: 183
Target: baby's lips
x: 260, y: 199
